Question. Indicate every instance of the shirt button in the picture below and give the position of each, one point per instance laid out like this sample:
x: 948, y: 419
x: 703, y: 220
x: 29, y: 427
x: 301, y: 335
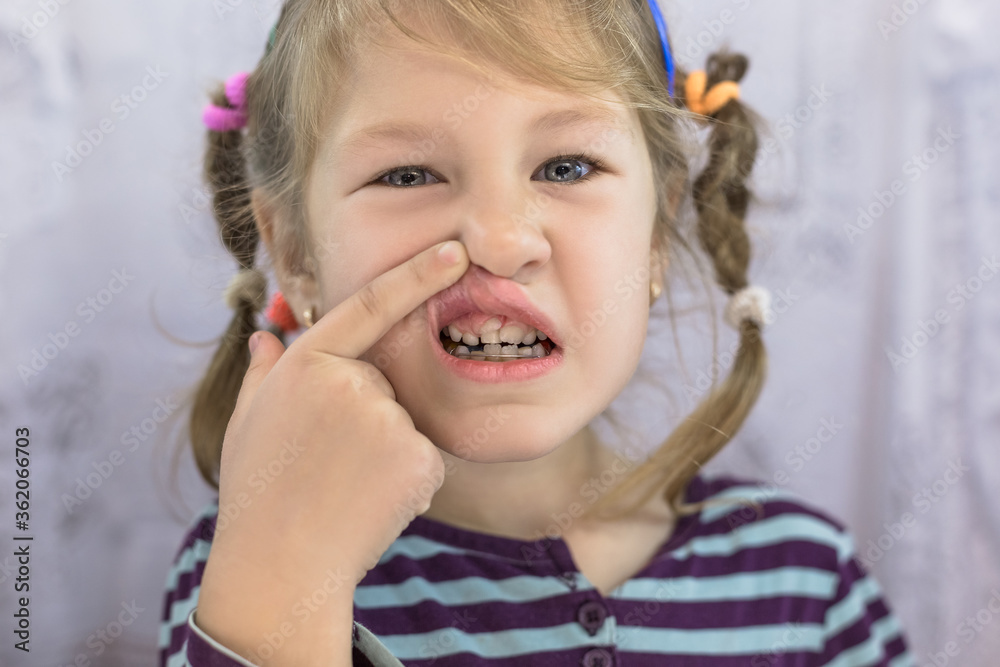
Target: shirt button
x: 597, y: 657
x: 591, y: 615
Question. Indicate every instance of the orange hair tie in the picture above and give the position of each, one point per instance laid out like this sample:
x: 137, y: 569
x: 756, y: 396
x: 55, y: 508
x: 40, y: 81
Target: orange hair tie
x: 708, y: 104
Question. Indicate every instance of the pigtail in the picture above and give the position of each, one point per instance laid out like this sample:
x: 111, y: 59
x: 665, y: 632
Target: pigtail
x: 225, y: 170
x: 721, y: 198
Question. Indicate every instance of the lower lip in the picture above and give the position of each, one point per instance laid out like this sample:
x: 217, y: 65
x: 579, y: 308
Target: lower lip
x: 494, y: 372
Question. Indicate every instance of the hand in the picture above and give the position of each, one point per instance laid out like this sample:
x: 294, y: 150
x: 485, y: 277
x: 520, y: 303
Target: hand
x: 347, y: 455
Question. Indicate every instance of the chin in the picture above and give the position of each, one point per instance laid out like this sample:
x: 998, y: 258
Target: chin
x: 496, y: 434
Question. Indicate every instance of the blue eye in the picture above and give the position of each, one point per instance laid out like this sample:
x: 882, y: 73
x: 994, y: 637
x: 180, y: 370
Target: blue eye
x: 567, y: 169
x: 407, y: 177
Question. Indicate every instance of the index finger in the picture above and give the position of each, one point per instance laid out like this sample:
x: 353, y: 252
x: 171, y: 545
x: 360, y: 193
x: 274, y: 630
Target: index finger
x: 359, y: 321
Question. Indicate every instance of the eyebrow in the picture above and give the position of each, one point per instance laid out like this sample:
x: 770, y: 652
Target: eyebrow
x: 597, y: 116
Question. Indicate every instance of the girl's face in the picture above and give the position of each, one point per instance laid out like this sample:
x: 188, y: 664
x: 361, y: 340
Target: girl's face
x: 573, y: 239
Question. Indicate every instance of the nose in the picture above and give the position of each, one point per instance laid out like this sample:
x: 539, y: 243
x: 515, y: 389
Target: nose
x: 503, y: 229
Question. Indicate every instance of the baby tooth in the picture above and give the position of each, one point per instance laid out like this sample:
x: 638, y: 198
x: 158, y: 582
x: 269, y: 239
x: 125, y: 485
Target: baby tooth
x: 529, y: 338
x: 460, y: 350
x: 509, y: 349
x: 491, y: 349
x: 511, y: 334
x: 537, y: 350
x: 489, y: 337
x: 470, y: 339
x: 541, y: 336
x: 524, y: 351
x: 454, y: 333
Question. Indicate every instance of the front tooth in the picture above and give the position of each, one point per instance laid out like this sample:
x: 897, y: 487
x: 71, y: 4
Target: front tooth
x: 454, y: 333
x: 471, y: 340
x: 509, y: 349
x: 491, y: 350
x: 489, y: 337
x: 511, y: 334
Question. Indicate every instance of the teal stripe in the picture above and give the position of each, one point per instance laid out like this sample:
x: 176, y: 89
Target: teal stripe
x: 505, y: 643
x: 761, y: 495
x: 853, y: 607
x: 179, y: 611
x: 904, y: 659
x: 179, y: 659
x: 416, y: 547
x: 871, y: 650
x: 748, y: 640
x: 788, y: 580
x: 187, y: 561
x: 465, y: 591
x: 775, y: 530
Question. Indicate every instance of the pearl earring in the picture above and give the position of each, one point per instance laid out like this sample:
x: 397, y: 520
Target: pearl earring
x: 309, y: 316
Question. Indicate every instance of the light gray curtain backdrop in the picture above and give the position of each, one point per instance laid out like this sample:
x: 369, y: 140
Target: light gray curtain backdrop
x: 876, y: 230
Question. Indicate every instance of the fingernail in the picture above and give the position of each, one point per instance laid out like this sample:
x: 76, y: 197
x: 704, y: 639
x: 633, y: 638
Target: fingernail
x: 448, y: 252
x: 254, y: 342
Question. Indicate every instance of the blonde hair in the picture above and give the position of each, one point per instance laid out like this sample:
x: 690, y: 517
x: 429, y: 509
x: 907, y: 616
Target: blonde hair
x: 614, y: 46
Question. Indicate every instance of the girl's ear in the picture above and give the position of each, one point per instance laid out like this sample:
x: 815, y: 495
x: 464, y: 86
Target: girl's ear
x: 301, y: 290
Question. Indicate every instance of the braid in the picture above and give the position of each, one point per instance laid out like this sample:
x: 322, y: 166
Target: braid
x: 720, y: 192
x: 226, y: 172
x: 721, y: 198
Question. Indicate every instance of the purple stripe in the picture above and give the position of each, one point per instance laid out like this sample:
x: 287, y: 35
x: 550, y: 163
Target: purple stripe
x: 448, y: 567
x: 201, y: 654
x: 429, y: 616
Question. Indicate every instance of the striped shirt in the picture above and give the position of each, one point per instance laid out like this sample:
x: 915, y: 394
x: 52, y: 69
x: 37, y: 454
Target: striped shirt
x: 728, y: 587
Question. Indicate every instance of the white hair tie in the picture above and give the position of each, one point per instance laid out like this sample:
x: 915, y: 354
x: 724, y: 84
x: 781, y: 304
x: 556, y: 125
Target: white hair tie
x: 752, y: 302
x: 247, y: 285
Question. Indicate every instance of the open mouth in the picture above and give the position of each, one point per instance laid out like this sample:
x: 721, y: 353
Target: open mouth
x: 495, y: 343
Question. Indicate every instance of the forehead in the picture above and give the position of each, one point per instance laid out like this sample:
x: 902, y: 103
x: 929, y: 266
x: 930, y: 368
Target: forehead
x: 404, y: 92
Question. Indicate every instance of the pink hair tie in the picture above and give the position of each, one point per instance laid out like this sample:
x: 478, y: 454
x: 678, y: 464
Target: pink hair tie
x: 222, y: 119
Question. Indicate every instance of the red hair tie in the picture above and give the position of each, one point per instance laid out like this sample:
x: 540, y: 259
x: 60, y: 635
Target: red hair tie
x: 280, y: 314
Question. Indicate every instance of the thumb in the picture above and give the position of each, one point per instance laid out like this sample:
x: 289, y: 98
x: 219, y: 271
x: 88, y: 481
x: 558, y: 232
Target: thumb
x: 265, y: 350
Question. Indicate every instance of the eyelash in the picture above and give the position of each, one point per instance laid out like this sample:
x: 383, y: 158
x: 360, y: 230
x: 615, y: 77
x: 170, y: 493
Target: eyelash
x: 597, y: 164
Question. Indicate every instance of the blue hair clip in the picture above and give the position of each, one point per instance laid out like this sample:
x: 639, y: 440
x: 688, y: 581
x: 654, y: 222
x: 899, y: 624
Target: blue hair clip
x: 661, y: 26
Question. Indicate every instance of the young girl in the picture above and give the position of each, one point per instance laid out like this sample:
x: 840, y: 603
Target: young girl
x: 414, y: 480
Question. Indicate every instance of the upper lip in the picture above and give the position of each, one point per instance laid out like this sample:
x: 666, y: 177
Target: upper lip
x: 480, y: 291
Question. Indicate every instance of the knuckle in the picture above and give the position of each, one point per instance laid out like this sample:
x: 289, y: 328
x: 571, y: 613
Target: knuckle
x: 371, y: 300
x: 418, y: 271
